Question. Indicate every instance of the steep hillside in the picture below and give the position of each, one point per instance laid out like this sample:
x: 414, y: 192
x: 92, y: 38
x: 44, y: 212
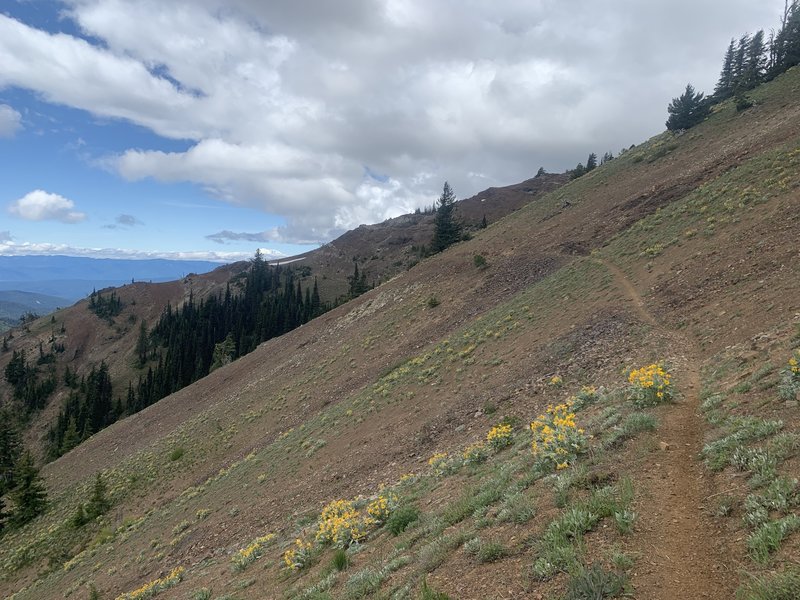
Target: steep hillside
x: 84, y: 339
x: 15, y: 304
x: 386, y: 249
x: 678, y: 254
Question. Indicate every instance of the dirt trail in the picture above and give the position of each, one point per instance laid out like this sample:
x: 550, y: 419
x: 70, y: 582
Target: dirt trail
x: 680, y: 558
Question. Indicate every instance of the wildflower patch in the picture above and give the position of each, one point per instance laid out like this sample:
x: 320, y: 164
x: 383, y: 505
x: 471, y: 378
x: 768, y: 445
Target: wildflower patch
x: 246, y: 556
x: 499, y: 437
x: 153, y: 588
x: 557, y: 440
x: 298, y: 556
x: 650, y: 385
x: 790, y: 378
x: 341, y: 524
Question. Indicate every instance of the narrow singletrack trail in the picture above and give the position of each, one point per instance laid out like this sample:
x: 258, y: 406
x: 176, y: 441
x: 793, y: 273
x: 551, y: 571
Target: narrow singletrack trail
x: 680, y: 558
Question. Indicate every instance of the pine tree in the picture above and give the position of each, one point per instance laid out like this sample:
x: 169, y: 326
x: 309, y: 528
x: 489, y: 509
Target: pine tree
x: 724, y: 87
x: 29, y: 495
x: 10, y: 449
x: 98, y: 502
x: 448, y: 229
x: 3, y: 515
x: 578, y: 171
x: 591, y: 162
x: 755, y: 62
x: 71, y: 437
x: 740, y: 61
x: 785, y: 48
x: 484, y: 222
x: 541, y: 172
x: 687, y: 110
x: 315, y: 301
x: 141, y: 346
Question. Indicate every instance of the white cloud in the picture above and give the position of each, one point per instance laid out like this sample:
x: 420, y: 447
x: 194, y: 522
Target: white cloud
x: 288, y: 105
x: 11, y: 248
x: 10, y: 121
x: 39, y: 205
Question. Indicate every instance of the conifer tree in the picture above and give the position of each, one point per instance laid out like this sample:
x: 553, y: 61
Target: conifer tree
x: 785, y: 48
x: 3, y: 515
x: 755, y: 62
x: 71, y: 437
x: 98, y: 502
x: 740, y: 61
x: 141, y: 346
x: 29, y: 495
x: 687, y: 110
x: 591, y: 162
x: 10, y: 449
x: 724, y: 88
x: 448, y: 229
x: 578, y: 171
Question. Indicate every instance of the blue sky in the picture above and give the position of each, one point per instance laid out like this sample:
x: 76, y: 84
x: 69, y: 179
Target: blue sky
x: 207, y: 129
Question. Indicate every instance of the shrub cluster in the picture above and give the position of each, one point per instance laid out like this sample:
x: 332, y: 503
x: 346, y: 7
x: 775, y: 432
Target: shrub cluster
x: 557, y: 440
x: 153, y: 588
x: 246, y: 556
x: 499, y: 437
x: 790, y: 380
x: 650, y: 385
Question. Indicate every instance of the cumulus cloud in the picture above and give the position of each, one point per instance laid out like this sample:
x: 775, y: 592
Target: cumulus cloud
x: 290, y: 107
x: 10, y: 121
x: 39, y: 205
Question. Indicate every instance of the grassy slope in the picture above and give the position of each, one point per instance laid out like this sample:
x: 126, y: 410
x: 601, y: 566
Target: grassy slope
x: 699, y: 224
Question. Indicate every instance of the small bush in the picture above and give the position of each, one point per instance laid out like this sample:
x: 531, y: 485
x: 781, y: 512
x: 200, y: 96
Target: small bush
x: 557, y: 440
x: 401, y: 518
x: 624, y: 519
x: 790, y: 378
x: 767, y: 539
x: 475, y: 454
x: 585, y: 397
x: 340, y: 524
x: 490, y: 551
x: 742, y: 102
x: 479, y: 261
x: 595, y: 583
x: 517, y: 508
x: 340, y: 560
x: 428, y: 593
x: 299, y: 556
x: 433, y: 301
x: 246, y: 556
x: 363, y: 583
x: 650, y: 385
x: 176, y: 454
x: 442, y: 463
x: 777, y: 586
x: 500, y: 436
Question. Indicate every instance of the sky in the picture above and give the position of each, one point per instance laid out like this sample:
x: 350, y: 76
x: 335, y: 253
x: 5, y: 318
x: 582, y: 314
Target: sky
x: 207, y: 129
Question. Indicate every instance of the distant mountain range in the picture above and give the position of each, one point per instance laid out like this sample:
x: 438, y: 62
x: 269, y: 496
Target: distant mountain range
x: 73, y: 278
x: 14, y: 304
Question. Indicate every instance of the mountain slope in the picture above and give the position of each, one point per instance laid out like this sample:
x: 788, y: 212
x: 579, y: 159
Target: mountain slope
x: 84, y: 339
x: 677, y: 252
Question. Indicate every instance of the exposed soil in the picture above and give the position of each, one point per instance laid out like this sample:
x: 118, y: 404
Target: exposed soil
x: 679, y: 556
